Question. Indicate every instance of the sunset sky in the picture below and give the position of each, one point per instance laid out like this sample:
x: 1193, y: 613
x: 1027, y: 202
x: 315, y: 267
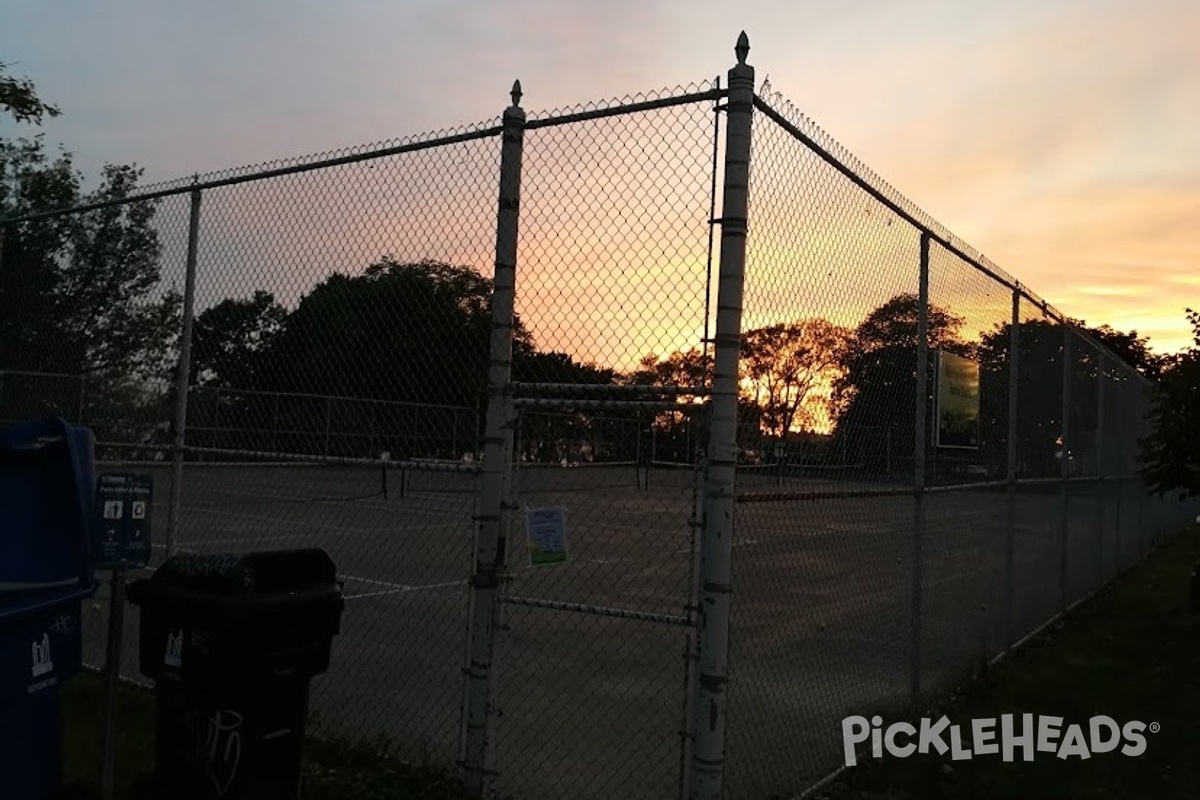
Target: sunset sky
x: 1061, y: 138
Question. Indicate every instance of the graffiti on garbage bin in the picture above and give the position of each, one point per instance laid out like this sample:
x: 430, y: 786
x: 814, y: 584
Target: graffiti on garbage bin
x: 217, y: 746
x: 174, y: 654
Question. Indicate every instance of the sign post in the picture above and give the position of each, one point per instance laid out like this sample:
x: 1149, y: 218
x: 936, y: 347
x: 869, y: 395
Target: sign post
x: 120, y: 541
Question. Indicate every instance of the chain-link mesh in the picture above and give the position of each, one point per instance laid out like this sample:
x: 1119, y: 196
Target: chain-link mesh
x: 1037, y: 525
x: 963, y: 571
x: 338, y: 385
x: 24, y: 395
x: 814, y: 630
x: 337, y: 396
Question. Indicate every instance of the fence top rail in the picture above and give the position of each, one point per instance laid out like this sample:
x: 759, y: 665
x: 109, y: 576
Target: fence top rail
x: 629, y: 107
x: 237, y: 175
x: 572, y: 389
x: 199, y: 388
x: 270, y: 456
x: 78, y: 376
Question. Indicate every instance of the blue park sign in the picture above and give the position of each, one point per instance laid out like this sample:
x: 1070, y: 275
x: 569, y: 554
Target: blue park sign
x: 121, y: 528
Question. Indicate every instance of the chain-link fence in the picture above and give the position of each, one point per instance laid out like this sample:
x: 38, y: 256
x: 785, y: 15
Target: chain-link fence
x: 687, y: 328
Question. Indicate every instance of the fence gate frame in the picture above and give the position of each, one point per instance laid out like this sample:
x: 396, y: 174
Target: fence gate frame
x: 706, y: 606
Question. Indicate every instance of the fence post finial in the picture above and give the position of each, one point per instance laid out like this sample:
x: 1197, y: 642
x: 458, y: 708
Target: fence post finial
x: 743, y: 47
x: 516, y: 93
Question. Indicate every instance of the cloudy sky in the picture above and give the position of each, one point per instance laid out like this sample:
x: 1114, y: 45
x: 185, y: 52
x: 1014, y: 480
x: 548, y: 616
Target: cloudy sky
x: 1061, y: 138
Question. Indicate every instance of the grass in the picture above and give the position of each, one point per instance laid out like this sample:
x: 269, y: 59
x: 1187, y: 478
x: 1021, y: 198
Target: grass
x: 333, y: 769
x: 1132, y: 652
x: 83, y: 729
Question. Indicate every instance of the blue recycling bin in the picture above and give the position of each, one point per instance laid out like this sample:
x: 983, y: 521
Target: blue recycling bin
x: 47, y: 479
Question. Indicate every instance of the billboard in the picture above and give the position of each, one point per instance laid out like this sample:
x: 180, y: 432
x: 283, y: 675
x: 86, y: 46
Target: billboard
x: 957, y: 409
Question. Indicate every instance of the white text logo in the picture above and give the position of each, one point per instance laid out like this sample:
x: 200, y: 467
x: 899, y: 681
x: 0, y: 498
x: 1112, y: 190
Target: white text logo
x: 1028, y: 736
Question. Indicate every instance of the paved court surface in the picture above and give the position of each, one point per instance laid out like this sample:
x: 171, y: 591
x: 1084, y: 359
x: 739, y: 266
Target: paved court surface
x: 592, y: 703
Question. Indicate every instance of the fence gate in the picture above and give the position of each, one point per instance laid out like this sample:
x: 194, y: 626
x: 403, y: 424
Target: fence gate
x: 579, y: 668
x: 594, y: 651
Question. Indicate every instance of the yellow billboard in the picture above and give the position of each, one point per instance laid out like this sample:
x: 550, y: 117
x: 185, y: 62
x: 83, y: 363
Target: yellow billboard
x: 957, y: 411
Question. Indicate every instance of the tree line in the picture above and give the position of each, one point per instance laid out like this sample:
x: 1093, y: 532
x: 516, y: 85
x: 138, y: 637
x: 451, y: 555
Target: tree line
x: 80, y: 294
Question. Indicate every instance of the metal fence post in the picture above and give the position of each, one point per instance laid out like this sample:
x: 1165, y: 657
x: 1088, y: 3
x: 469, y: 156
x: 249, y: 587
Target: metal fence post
x: 215, y: 437
x: 492, y: 516
x: 1146, y: 408
x: 1065, y: 468
x: 712, y: 623
x: 1014, y: 361
x: 1098, y: 455
x: 3, y: 228
x: 919, y: 442
x: 328, y: 422
x: 182, y: 377
x: 1118, y: 465
x: 82, y: 399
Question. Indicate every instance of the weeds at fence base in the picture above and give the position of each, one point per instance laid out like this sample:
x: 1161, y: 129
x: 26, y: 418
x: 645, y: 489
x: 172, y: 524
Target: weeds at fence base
x: 334, y: 769
x: 1131, y: 652
x: 342, y: 769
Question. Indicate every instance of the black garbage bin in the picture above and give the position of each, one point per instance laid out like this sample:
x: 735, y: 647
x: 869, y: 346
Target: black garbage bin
x: 1195, y: 595
x: 232, y: 642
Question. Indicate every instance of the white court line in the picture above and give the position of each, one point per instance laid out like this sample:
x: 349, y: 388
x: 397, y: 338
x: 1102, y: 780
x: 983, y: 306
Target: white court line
x: 244, y: 540
x: 279, y: 519
x: 397, y: 588
x: 374, y: 582
x: 330, y: 529
x: 391, y: 588
x: 290, y: 519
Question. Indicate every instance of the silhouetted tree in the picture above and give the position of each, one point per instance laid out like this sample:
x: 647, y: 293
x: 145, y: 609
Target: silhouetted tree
x: 1170, y: 453
x: 230, y: 340
x: 549, y: 435
x: 80, y: 293
x: 875, y: 395
x: 413, y: 336
x: 677, y: 436
x: 19, y: 97
x: 784, y: 363
x: 1040, y: 389
x: 1131, y: 348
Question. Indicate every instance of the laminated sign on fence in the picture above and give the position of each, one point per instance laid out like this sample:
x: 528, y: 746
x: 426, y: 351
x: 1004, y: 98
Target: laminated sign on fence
x: 957, y: 401
x: 122, y: 528
x: 546, y: 532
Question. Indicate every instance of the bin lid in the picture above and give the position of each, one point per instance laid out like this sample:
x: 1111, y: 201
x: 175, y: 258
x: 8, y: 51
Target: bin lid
x: 46, y: 485
x: 245, y: 574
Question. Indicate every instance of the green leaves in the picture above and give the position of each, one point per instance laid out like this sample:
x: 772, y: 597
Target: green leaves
x: 81, y: 293
x: 1170, y: 453
x: 19, y: 98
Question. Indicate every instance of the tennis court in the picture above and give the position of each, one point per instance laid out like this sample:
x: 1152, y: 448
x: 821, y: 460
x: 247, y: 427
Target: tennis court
x: 592, y: 661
